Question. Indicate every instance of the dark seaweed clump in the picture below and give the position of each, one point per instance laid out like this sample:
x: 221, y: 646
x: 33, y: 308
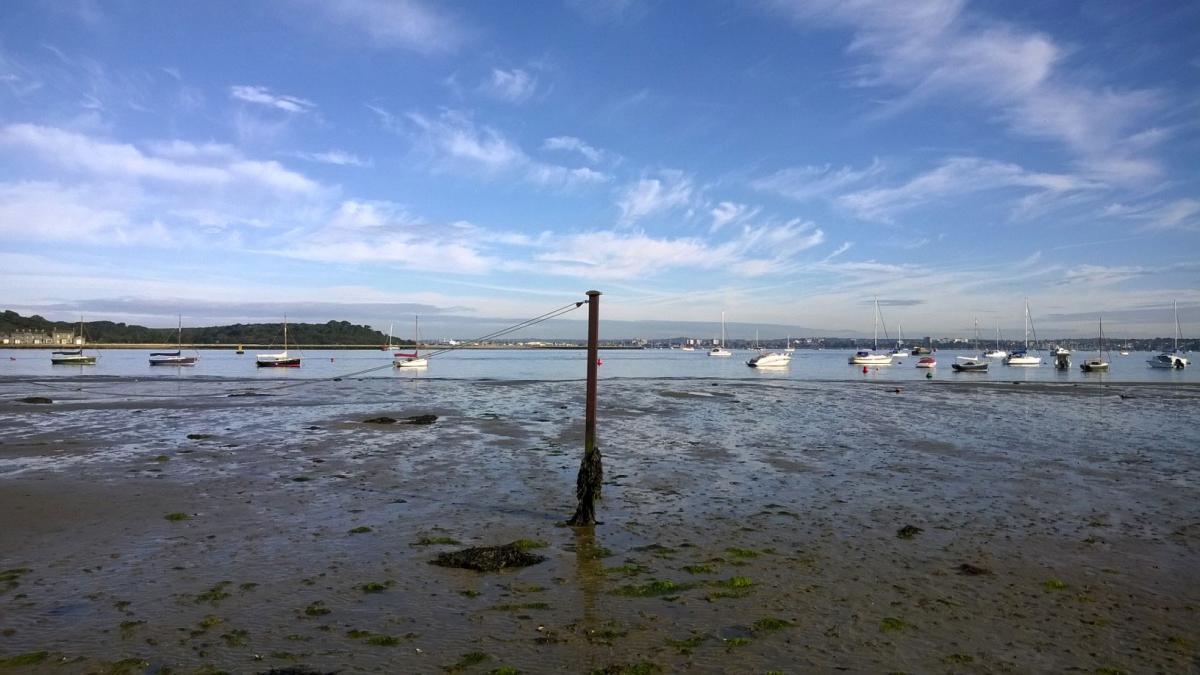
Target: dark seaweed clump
x: 488, y: 558
x: 908, y: 532
x: 36, y: 399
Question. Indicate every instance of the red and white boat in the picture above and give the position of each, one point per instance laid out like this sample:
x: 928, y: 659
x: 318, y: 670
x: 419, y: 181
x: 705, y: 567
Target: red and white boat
x: 412, y: 359
x: 927, y: 362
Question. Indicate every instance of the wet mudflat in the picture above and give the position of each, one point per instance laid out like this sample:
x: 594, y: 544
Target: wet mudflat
x: 749, y: 526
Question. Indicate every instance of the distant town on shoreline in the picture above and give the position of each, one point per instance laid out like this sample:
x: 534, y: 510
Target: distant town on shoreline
x: 18, y: 331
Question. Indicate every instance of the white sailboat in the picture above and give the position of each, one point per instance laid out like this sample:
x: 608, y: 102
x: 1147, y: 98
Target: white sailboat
x: 996, y: 353
x: 788, y: 346
x: 720, y: 350
x: 388, y: 346
x: 1021, y: 356
x: 1097, y: 364
x: 864, y: 357
x: 899, y: 351
x: 412, y: 359
x: 281, y: 359
x: 1173, y: 359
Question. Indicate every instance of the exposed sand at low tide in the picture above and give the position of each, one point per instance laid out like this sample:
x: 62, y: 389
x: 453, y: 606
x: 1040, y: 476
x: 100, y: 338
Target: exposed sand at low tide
x: 1084, y: 507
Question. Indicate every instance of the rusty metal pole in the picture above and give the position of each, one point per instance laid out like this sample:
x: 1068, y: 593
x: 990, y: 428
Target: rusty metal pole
x: 593, y: 355
x: 591, y: 470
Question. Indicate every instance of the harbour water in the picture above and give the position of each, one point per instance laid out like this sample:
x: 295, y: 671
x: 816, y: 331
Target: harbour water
x: 536, y: 364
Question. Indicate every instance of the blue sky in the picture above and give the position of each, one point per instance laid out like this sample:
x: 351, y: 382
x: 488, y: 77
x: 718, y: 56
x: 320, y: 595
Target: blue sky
x: 784, y: 161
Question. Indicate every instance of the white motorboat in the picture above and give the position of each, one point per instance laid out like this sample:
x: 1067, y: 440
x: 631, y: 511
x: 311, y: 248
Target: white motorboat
x: 280, y: 359
x: 1021, y: 356
x: 412, y: 359
x: 720, y: 350
x: 927, y: 362
x: 1174, y: 359
x: 770, y: 360
x: 864, y: 357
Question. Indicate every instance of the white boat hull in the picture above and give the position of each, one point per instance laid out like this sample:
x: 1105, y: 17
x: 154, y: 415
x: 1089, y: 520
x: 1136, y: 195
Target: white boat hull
x: 1166, y: 361
x: 411, y: 363
x: 1023, y: 361
x: 871, y: 360
x: 769, y: 361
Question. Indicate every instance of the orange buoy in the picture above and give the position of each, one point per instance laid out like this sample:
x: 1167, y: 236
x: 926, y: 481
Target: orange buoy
x: 864, y: 370
x: 599, y: 362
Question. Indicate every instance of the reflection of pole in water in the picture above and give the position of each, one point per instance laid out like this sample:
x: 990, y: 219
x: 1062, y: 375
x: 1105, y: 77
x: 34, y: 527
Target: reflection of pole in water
x: 589, y: 571
x: 591, y: 471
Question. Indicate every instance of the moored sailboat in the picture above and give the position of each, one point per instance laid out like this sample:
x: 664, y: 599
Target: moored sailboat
x: 73, y: 357
x: 175, y: 358
x: 871, y: 357
x: 412, y: 359
x: 1173, y: 359
x: 971, y: 364
x: 720, y: 350
x: 281, y: 359
x: 1021, y: 356
x: 1097, y: 364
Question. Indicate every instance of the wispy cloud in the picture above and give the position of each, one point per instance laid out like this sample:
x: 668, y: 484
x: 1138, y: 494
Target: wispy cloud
x: 935, y: 48
x: 404, y: 24
x: 649, y: 196
x: 572, y: 144
x: 1180, y: 214
x: 385, y: 233
x: 812, y: 182
x: 954, y: 177
x: 514, y: 86
x: 725, y: 213
x: 264, y: 96
x: 336, y: 157
x: 457, y: 143
x: 106, y: 159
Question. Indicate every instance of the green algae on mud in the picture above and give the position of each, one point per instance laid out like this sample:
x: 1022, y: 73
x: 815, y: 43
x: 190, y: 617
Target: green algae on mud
x: 176, y: 516
x: 466, y: 661
x: 652, y: 589
x: 26, y: 659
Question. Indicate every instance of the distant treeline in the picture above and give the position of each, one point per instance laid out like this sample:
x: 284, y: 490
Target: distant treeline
x: 329, y: 333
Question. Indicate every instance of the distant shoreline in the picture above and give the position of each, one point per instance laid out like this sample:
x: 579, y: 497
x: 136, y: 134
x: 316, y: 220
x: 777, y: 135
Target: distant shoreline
x: 249, y: 346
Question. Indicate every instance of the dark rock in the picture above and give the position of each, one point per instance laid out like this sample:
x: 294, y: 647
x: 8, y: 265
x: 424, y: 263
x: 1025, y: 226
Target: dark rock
x: 908, y: 532
x: 380, y: 420
x: 972, y: 571
x: 488, y: 558
x: 36, y: 399
x: 198, y: 437
x: 421, y: 419
x: 313, y: 428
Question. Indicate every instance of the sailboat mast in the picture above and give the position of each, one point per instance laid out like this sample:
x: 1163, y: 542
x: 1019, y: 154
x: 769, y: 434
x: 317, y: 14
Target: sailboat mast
x: 722, y: 330
x: 416, y: 336
x: 875, y: 338
x: 1174, y: 304
x: 285, y: 333
x: 1026, y: 324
